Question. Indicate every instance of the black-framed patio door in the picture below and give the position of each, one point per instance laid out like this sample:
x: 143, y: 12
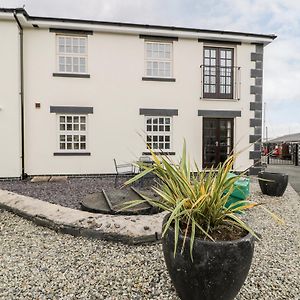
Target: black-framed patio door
x: 217, y: 141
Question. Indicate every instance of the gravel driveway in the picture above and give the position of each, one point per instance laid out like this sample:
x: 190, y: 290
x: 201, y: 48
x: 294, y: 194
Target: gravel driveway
x: 37, y: 263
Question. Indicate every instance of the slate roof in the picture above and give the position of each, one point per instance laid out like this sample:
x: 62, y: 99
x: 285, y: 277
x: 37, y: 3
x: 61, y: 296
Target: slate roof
x: 288, y: 138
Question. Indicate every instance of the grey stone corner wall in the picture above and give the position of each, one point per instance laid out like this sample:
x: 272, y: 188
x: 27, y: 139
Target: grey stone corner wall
x: 256, y: 107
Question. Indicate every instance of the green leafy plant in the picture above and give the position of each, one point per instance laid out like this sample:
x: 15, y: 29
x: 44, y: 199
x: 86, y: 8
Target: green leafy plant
x: 195, y: 200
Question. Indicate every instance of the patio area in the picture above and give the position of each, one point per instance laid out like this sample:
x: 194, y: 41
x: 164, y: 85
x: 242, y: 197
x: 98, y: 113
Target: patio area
x: 38, y: 263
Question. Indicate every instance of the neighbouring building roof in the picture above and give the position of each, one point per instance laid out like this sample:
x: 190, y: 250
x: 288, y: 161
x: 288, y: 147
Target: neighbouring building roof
x: 39, y: 21
x: 288, y: 138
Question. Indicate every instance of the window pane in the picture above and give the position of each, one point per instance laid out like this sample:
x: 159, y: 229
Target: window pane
x: 62, y: 119
x: 82, y: 127
x: 62, y: 68
x: 82, y: 119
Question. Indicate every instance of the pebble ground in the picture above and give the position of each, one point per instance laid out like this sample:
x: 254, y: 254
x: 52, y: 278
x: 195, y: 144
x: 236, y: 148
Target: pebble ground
x: 37, y: 263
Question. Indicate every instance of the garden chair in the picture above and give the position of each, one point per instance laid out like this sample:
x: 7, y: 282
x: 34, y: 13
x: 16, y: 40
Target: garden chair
x: 123, y: 169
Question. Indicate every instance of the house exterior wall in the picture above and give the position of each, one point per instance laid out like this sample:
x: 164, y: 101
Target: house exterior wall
x: 10, y: 149
x: 116, y: 92
x: 114, y: 95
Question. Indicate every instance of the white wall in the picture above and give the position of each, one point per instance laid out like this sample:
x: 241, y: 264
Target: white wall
x: 10, y: 150
x: 117, y: 92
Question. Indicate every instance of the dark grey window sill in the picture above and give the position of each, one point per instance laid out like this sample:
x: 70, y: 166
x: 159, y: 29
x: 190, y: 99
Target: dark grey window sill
x: 74, y: 75
x: 159, y: 153
x: 72, y: 153
x: 158, y: 79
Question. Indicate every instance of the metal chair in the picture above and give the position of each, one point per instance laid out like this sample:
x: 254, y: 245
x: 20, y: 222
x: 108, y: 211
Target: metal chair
x: 147, y: 161
x: 123, y: 169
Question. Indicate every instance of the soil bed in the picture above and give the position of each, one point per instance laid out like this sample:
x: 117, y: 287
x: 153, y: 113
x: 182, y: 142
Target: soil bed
x: 71, y: 192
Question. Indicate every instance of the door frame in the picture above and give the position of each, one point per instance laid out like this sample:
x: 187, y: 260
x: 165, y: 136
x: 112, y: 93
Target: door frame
x: 218, y: 136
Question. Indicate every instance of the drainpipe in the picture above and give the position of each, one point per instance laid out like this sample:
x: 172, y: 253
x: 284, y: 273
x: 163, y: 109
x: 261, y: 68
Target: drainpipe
x: 23, y: 174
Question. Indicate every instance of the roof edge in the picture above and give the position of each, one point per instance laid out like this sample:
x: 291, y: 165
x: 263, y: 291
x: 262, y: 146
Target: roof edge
x: 136, y: 25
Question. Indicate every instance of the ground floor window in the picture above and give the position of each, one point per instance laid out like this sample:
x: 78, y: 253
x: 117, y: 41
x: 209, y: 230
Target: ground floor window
x: 72, y: 132
x: 159, y: 133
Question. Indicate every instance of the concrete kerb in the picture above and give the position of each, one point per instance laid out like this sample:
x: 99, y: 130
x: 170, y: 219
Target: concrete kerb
x: 136, y: 229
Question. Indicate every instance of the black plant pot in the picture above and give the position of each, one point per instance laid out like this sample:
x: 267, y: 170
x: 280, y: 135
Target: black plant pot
x: 277, y: 184
x: 218, y: 269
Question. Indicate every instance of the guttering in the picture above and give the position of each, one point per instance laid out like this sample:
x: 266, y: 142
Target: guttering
x: 23, y: 174
x: 146, y: 29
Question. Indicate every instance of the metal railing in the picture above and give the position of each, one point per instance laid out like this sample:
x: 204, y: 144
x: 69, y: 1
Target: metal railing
x: 235, y: 74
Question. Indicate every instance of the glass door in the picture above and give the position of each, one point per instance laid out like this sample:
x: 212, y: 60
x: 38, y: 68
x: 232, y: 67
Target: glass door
x: 217, y: 141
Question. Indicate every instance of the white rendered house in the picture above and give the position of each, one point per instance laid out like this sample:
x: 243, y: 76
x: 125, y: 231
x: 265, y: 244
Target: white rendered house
x: 75, y: 94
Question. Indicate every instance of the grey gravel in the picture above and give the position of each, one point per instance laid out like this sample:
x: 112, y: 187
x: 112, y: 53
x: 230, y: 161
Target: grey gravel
x: 37, y: 263
x: 67, y: 193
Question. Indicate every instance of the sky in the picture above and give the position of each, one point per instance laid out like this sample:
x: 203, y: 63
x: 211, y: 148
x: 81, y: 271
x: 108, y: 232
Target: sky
x: 281, y: 91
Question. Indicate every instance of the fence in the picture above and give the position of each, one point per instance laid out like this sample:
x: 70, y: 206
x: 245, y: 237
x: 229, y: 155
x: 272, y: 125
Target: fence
x: 293, y: 158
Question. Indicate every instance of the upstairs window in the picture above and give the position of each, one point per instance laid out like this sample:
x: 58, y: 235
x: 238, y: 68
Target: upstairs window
x: 72, y: 54
x: 159, y: 133
x: 158, y: 59
x: 218, y: 72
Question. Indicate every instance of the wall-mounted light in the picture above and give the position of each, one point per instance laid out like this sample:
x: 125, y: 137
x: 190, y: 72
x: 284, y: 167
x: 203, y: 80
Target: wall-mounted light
x: 37, y: 105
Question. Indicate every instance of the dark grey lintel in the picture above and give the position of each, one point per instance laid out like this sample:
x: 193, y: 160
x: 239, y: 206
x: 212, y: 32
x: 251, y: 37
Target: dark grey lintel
x: 71, y: 31
x: 74, y: 75
x: 219, y: 42
x: 159, y: 153
x: 72, y: 153
x: 158, y: 37
x: 158, y: 112
x: 158, y: 79
x: 71, y: 109
x: 220, y: 113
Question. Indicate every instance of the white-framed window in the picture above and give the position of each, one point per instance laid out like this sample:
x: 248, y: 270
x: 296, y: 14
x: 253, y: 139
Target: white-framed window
x: 159, y: 133
x: 71, y: 54
x: 72, y: 133
x: 158, y: 59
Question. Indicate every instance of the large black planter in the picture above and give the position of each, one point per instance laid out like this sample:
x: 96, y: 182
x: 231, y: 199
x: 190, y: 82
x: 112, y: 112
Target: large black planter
x: 218, y: 269
x: 277, y: 184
